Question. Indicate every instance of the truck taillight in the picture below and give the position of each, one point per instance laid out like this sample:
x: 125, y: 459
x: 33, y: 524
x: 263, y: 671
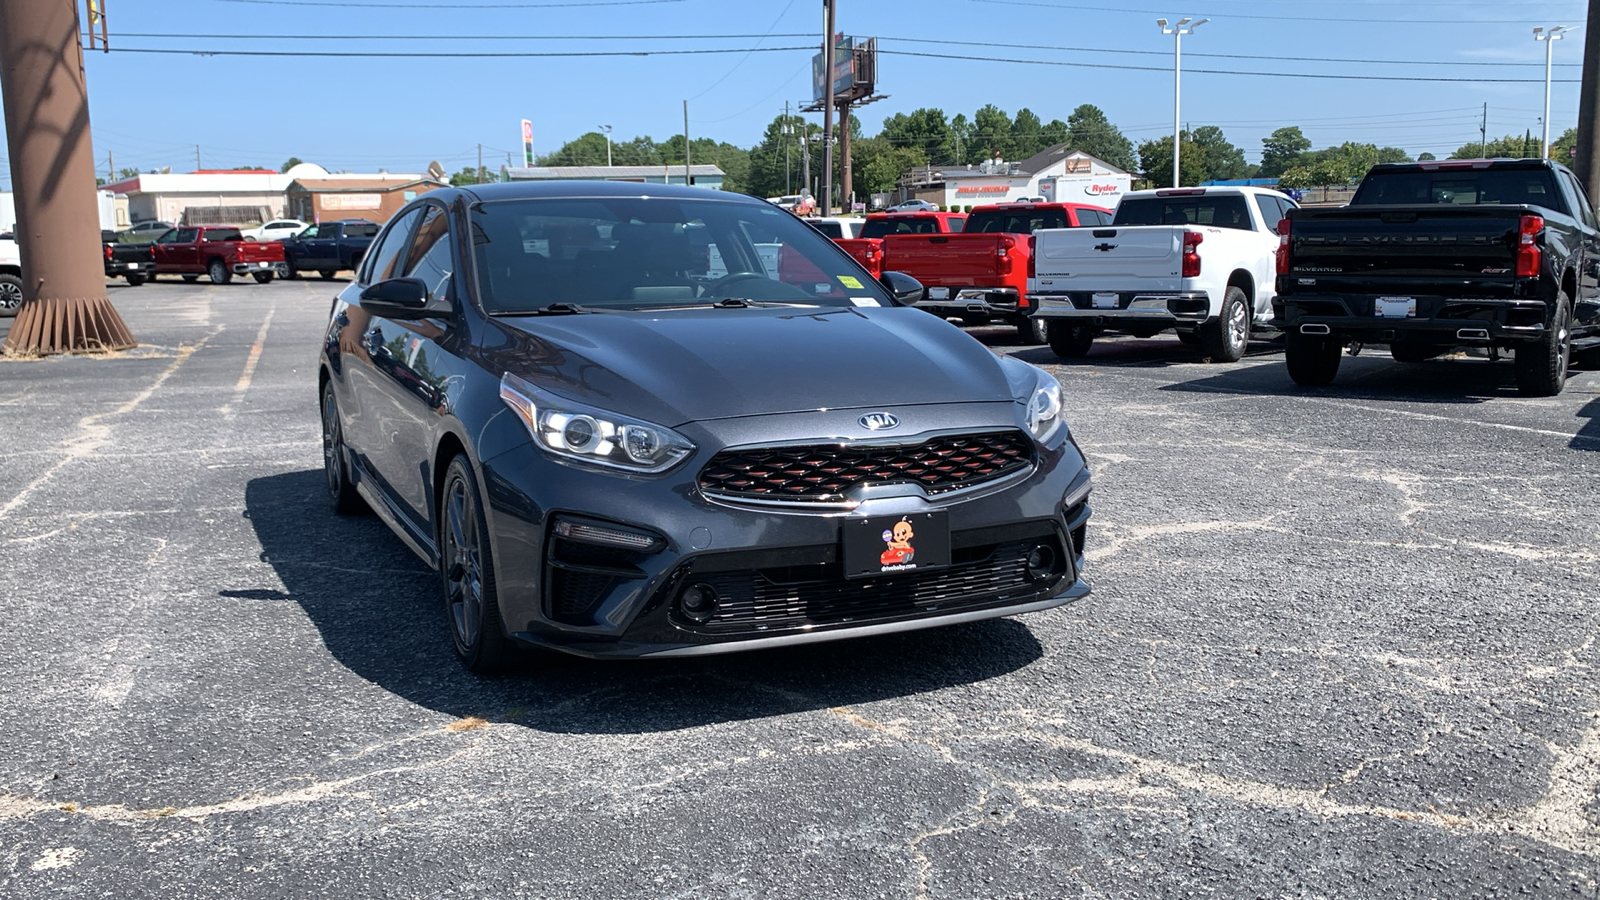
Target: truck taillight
x: 108, y: 251
x: 1529, y: 255
x: 1283, y: 246
x: 1191, y: 253
x: 1032, y: 269
x: 1002, y: 253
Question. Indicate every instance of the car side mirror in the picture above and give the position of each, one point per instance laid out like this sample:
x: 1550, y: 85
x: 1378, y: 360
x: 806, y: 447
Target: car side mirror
x: 398, y: 298
x: 906, y: 290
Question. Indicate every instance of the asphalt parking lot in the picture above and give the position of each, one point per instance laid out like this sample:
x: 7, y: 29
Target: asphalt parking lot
x: 1342, y: 643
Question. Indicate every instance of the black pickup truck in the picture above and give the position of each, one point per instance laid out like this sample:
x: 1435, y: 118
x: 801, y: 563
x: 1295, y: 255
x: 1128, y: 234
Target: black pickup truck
x: 328, y: 247
x: 131, y: 261
x: 1429, y: 257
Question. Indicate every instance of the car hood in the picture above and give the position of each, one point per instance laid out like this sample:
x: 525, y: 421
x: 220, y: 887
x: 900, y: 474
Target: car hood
x: 696, y: 365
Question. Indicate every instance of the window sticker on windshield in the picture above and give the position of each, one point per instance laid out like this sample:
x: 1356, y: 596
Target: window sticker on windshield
x: 864, y: 301
x: 822, y: 288
x: 850, y: 281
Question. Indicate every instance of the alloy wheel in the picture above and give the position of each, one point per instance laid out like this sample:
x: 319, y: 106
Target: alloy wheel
x: 10, y: 294
x: 1239, y: 325
x: 462, y: 562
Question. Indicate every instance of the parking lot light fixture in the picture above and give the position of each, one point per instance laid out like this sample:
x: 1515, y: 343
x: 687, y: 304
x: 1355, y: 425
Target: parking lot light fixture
x: 607, y: 130
x: 1549, y: 36
x: 1177, y: 29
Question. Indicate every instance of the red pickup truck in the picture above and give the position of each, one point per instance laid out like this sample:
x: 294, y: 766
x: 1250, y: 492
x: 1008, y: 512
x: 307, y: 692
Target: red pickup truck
x: 982, y: 273
x: 868, y: 247
x: 219, y: 252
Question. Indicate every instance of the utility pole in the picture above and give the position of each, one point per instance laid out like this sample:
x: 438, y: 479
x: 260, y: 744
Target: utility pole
x: 846, y: 188
x: 197, y: 165
x: 1587, y: 162
x: 805, y: 155
x: 788, y: 126
x: 1483, y: 133
x: 65, y: 308
x: 480, y: 164
x: 687, y: 179
x: 827, y: 108
x: 111, y: 167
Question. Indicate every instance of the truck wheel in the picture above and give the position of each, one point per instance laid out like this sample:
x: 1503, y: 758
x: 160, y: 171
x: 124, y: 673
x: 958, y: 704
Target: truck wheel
x: 1542, y: 365
x: 1189, y: 338
x: 327, y: 274
x: 134, y: 280
x: 1313, y: 360
x: 1225, y: 338
x: 1033, y: 331
x: 1070, y: 341
x: 191, y: 279
x: 150, y: 277
x: 262, y: 277
x: 288, y: 270
x: 218, y: 270
x: 10, y: 294
x: 1415, y: 353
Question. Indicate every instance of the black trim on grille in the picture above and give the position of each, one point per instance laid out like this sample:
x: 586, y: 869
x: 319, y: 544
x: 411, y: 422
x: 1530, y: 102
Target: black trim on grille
x: 824, y: 473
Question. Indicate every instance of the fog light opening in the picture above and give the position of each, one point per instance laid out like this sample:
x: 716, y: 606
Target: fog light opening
x: 1041, y: 563
x: 698, y: 603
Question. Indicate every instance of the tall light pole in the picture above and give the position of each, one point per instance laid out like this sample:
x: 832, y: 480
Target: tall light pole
x: 1178, y: 29
x: 607, y: 130
x: 1549, y: 36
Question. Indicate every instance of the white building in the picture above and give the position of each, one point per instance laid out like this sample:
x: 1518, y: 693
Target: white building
x: 210, y: 197
x: 1059, y: 174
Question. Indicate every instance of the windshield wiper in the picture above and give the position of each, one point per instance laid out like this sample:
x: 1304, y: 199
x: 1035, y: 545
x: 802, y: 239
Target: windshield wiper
x: 562, y: 309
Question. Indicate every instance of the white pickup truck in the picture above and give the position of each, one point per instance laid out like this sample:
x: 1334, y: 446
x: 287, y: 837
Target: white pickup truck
x: 10, y: 277
x: 1200, y: 261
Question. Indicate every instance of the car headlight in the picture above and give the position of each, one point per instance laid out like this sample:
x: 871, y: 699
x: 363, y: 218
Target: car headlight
x: 1044, y: 407
x: 587, y: 434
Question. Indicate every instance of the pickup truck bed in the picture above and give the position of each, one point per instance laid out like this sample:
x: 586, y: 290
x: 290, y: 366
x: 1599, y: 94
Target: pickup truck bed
x: 1501, y: 254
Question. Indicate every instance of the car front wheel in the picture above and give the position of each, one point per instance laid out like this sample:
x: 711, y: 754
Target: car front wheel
x: 218, y: 270
x: 466, y: 567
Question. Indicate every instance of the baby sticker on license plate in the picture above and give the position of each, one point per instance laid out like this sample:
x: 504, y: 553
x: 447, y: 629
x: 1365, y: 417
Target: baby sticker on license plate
x: 887, y: 545
x: 1394, y: 307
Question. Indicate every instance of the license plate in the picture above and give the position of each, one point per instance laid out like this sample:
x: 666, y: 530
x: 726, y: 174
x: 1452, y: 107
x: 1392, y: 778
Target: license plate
x: 1395, y: 307
x: 938, y: 293
x: 263, y: 265
x: 1104, y: 301
x: 888, y: 545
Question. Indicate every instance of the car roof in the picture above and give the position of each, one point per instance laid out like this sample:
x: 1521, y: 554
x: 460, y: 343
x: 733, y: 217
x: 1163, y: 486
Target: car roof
x: 557, y: 190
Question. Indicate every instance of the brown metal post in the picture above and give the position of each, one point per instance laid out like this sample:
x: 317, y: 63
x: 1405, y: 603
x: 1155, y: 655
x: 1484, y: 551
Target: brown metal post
x: 1587, y: 163
x: 64, y: 304
x: 845, y: 185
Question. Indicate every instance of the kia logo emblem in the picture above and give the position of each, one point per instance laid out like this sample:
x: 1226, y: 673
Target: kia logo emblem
x: 878, y: 421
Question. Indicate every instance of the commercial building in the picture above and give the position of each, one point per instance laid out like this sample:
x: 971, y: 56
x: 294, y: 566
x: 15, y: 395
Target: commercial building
x: 250, y: 196
x: 706, y: 176
x: 1059, y: 174
x: 374, y: 198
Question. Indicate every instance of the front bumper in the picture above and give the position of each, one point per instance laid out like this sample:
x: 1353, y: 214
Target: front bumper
x: 1184, y: 310
x: 1442, y: 321
x: 777, y: 568
x: 973, y: 301
x: 245, y: 268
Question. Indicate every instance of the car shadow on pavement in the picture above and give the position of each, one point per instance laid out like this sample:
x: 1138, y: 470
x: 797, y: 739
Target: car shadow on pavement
x: 378, y: 611
x: 1373, y: 376
x: 1159, y: 352
x: 1588, y: 437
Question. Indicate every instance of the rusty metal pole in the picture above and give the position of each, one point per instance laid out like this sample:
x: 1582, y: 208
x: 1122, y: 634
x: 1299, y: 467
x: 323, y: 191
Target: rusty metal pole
x: 65, y: 308
x: 1587, y: 162
x: 846, y: 182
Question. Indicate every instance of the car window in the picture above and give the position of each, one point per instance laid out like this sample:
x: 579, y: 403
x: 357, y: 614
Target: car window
x: 1218, y: 210
x: 1461, y: 186
x: 180, y: 236
x: 1586, y: 210
x: 631, y: 253
x: 1018, y: 222
x: 216, y: 235
x: 430, y: 258
x: 387, y: 253
x: 365, y: 229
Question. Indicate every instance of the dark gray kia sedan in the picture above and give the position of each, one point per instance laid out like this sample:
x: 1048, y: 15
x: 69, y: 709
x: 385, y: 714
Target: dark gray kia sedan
x: 632, y: 420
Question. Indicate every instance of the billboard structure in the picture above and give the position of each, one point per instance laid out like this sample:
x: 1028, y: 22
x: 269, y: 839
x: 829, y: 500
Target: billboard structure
x: 855, y: 71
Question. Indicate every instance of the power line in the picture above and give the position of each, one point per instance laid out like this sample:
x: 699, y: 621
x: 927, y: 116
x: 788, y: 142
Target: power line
x: 452, y: 55
x: 1163, y: 53
x: 1230, y: 15
x: 451, y: 6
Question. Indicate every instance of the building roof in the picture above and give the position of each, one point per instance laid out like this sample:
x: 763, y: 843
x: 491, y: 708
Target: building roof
x: 252, y: 182
x: 334, y: 184
x: 605, y: 172
x: 1033, y: 164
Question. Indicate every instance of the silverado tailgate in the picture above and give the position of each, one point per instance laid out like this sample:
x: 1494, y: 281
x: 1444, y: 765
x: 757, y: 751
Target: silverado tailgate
x: 260, y: 251
x: 1426, y: 249
x: 945, y: 260
x: 1130, y: 258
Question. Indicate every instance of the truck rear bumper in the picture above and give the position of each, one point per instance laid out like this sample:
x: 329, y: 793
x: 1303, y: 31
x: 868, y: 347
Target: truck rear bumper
x: 1455, y: 321
x: 264, y: 265
x: 1184, y: 310
x: 979, y: 301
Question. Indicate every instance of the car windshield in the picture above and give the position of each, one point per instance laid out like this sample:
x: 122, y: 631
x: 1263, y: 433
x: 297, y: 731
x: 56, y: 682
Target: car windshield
x: 631, y: 253
x: 1461, y: 187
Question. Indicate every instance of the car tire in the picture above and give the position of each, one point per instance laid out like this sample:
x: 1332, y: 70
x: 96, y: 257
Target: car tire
x: 1189, y: 338
x: 1415, y: 353
x: 466, y: 568
x: 10, y: 294
x: 134, y: 280
x: 1033, y: 331
x: 1069, y: 341
x: 150, y: 277
x: 288, y: 270
x: 327, y: 274
x: 218, y: 272
x: 342, y: 495
x: 1313, y: 360
x: 262, y: 277
x: 191, y: 279
x: 1225, y: 338
x: 1542, y: 365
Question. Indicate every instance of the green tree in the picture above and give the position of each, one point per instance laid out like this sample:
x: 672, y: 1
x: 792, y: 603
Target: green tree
x: 127, y: 173
x: 1027, y: 134
x: 469, y: 175
x: 1223, y: 160
x: 924, y: 129
x: 1562, y: 148
x: 878, y: 164
x: 290, y: 163
x: 1090, y: 131
x: 783, y: 143
x: 991, y: 131
x: 1282, y: 150
x: 1393, y: 155
x: 1513, y: 146
x: 1155, y: 162
x: 1054, y: 132
x: 961, y: 133
x: 1425, y: 157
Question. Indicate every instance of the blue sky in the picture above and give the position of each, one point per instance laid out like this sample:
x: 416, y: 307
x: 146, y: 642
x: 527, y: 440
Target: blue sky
x: 360, y: 113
